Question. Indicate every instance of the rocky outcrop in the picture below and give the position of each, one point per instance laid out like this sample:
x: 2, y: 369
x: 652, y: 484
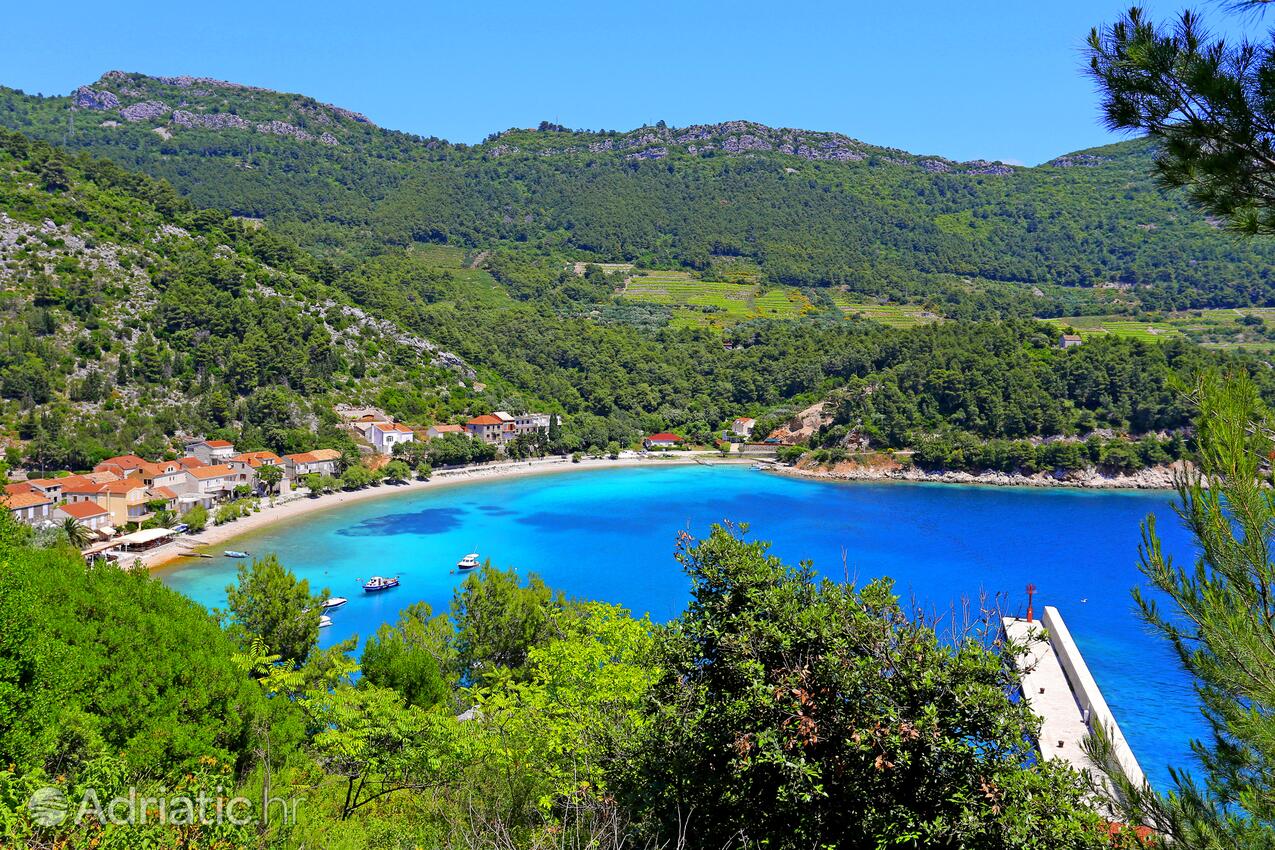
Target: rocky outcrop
x: 147, y: 110
x: 87, y: 98
x: 1082, y: 160
x: 649, y: 153
x: 802, y: 426
x: 283, y: 128
x: 215, y: 121
x: 881, y: 468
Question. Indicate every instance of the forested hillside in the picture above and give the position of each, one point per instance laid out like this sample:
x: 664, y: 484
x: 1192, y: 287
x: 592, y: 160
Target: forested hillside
x: 128, y: 315
x: 810, y: 208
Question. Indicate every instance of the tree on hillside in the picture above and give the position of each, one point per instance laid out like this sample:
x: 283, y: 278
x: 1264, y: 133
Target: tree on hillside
x: 1209, y: 101
x: 269, y: 602
x: 412, y: 656
x: 498, y: 619
x: 1211, y: 104
x: 797, y: 713
x: 1219, y: 621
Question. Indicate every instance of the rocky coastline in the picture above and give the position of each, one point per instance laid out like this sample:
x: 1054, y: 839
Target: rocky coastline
x: 1152, y: 478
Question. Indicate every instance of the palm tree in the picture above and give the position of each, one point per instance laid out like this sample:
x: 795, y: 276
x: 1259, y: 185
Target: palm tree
x: 77, y: 533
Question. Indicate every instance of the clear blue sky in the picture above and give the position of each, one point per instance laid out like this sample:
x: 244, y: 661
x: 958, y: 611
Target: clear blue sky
x: 994, y: 80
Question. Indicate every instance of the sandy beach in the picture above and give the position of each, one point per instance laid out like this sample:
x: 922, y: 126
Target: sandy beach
x: 297, y: 505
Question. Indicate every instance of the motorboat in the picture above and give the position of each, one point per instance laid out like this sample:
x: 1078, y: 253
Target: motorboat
x: 376, y: 583
x: 334, y: 602
x: 325, y: 621
x: 235, y: 553
x: 468, y: 562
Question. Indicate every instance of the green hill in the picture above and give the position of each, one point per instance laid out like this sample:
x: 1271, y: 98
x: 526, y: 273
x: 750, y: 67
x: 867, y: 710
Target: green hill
x: 127, y: 315
x: 1088, y: 232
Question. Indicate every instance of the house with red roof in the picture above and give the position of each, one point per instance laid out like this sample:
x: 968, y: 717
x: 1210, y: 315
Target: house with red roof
x: 32, y: 507
x: 386, y: 435
x: 317, y: 462
x: 436, y: 431
x: 663, y: 440
x: 211, y: 452
x: 89, y: 514
x: 490, y: 429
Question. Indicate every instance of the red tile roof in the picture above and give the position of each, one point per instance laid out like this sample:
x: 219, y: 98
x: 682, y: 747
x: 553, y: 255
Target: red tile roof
x: 163, y: 493
x: 14, y: 501
x: 218, y: 444
x: 664, y: 437
x: 315, y: 456
x: 255, y: 459
x: 83, y: 510
x: 485, y: 419
x: 190, y: 462
x: 122, y: 461
x: 218, y: 471
x: 120, y: 488
x: 18, y: 487
x: 393, y: 426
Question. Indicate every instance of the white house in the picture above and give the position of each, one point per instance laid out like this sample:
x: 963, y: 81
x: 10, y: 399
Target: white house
x: 211, y: 451
x: 89, y: 514
x: 663, y: 440
x: 320, y: 461
x: 31, y: 507
x: 216, y: 480
x: 743, y: 426
x: 386, y: 435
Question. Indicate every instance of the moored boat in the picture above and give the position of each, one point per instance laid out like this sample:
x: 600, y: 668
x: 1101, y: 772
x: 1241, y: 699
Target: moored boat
x: 325, y: 621
x: 376, y: 583
x: 235, y: 553
x: 334, y: 602
x: 468, y: 562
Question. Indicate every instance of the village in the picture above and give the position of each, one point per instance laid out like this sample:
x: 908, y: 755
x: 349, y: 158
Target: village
x: 128, y: 503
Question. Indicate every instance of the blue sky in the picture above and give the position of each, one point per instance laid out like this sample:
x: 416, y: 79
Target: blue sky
x: 994, y: 80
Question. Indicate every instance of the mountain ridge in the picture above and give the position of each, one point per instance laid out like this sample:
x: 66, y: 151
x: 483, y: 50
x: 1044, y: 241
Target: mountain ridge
x: 116, y: 89
x: 1088, y: 231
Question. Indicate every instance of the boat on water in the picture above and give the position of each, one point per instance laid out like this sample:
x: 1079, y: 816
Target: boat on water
x: 376, y: 583
x: 325, y: 621
x: 334, y: 602
x: 468, y: 562
x: 235, y: 553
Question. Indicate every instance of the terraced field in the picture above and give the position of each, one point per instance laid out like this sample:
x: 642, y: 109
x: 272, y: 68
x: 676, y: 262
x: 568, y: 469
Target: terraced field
x: 1120, y: 326
x: 894, y: 315
x: 456, y: 261
x: 699, y: 303
x: 1249, y: 328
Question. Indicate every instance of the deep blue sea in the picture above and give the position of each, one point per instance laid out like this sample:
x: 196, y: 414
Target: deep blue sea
x: 610, y: 534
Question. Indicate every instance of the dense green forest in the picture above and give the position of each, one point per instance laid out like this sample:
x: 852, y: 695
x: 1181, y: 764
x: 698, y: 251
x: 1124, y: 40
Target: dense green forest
x: 129, y: 315
x: 778, y: 710
x: 1089, y: 231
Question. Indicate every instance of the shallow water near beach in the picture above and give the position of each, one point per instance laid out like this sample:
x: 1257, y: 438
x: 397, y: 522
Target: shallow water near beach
x: 610, y: 535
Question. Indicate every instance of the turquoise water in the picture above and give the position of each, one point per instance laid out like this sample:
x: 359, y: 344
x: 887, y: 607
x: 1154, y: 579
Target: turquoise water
x: 610, y: 535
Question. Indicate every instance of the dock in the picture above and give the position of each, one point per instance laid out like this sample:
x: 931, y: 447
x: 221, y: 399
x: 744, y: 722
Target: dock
x: 1058, y: 686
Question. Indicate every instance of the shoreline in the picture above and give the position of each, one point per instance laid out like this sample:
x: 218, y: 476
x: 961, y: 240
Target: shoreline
x: 1152, y: 478
x: 296, y: 506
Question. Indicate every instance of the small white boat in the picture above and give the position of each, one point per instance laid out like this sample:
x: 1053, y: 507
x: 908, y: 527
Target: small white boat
x: 468, y: 562
x: 325, y: 621
x: 376, y: 583
x: 334, y: 602
x: 235, y: 553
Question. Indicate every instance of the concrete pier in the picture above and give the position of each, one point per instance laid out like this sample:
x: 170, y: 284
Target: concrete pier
x: 1057, y: 684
